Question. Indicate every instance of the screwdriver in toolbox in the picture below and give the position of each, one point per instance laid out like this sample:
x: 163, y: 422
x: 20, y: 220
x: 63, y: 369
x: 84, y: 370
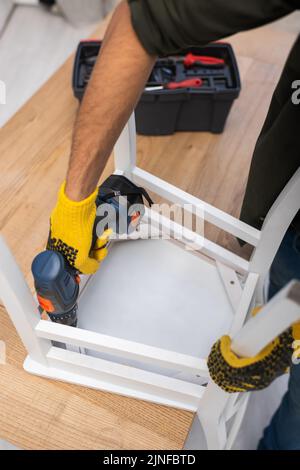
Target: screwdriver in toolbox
x: 209, y: 61
x: 190, y: 83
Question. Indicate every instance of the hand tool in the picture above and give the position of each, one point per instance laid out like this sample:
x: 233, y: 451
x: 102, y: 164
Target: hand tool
x: 163, y: 71
x: 208, y: 61
x: 56, y: 282
x: 190, y: 83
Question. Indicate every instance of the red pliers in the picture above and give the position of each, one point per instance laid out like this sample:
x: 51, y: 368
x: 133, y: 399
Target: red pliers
x: 191, y: 59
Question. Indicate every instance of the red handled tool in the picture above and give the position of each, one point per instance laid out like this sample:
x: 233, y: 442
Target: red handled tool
x: 191, y: 59
x: 190, y: 83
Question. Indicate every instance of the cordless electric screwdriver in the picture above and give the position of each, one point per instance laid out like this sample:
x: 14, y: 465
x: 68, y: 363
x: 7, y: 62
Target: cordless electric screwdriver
x: 56, y: 282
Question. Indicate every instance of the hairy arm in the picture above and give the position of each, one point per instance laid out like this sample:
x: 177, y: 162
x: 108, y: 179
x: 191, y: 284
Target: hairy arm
x: 117, y: 82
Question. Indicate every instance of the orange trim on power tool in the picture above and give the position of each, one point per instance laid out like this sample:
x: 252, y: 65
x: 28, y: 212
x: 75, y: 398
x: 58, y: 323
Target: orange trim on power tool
x: 46, y: 304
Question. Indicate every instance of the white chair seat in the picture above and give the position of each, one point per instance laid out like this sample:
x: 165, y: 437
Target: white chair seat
x: 156, y: 293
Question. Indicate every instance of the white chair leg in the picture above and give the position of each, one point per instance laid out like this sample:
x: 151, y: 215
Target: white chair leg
x: 215, y: 434
x: 207, y: 433
x: 125, y: 148
x: 209, y: 414
x: 238, y: 419
x: 18, y: 301
x: 278, y: 220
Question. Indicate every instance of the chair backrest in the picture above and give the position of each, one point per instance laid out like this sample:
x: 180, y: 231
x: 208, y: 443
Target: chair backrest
x: 278, y: 219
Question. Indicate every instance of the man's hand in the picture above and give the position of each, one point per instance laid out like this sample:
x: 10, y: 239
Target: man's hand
x: 238, y: 374
x: 71, y: 233
x: 235, y: 374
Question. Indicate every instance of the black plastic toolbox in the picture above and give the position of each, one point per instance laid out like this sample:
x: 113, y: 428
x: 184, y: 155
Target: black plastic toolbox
x: 165, y: 111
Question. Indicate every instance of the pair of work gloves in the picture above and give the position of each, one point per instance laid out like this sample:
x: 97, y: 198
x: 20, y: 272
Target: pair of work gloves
x: 71, y: 233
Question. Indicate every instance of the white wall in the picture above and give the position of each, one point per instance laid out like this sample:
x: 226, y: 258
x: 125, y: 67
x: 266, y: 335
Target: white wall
x: 5, y: 9
x: 25, y: 64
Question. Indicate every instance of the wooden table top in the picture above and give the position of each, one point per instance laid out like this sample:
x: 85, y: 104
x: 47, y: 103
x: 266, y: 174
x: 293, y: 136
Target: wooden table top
x: 34, y: 148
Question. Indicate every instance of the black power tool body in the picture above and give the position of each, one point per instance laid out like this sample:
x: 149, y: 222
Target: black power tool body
x: 120, y: 206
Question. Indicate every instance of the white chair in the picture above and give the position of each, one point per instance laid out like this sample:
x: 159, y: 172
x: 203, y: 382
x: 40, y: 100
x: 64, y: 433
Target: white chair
x: 148, y: 318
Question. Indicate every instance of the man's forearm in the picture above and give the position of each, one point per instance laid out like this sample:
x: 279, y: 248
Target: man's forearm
x: 117, y: 81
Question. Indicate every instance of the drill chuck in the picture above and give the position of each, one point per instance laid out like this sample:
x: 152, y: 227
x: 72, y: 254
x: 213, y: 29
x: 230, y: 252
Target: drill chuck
x: 68, y: 318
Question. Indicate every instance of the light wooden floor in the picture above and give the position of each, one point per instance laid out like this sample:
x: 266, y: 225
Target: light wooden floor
x: 34, y: 148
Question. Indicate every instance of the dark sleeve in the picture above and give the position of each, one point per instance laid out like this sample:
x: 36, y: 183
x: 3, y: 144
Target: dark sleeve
x: 166, y: 26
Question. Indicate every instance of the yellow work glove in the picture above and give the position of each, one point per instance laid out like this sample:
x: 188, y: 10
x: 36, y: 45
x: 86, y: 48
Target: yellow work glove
x: 237, y: 374
x: 71, y: 233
